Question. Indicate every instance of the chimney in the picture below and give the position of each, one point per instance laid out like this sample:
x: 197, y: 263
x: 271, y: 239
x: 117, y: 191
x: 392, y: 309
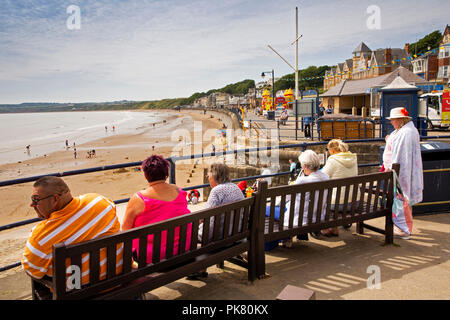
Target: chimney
x: 407, y: 48
x: 387, y: 55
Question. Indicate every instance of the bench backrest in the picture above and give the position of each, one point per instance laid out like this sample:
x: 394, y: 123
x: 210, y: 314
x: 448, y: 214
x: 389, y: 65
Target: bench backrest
x: 363, y: 195
x: 238, y: 219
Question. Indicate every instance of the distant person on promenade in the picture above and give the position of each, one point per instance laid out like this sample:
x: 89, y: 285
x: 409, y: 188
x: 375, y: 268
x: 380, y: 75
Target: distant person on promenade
x: 292, y: 166
x: 307, y: 123
x: 27, y: 147
x: 330, y: 110
x: 321, y: 109
x: 67, y: 144
x: 159, y: 201
x: 403, y: 147
x: 68, y: 220
x: 106, y: 128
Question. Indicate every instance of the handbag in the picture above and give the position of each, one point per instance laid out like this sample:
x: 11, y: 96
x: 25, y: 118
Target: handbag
x: 401, y: 210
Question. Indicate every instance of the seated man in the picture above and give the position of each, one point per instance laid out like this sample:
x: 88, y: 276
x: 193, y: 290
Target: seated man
x: 69, y: 220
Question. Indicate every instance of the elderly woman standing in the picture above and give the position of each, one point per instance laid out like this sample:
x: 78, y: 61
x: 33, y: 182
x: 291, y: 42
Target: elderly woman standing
x: 340, y: 164
x: 403, y: 147
x: 159, y: 201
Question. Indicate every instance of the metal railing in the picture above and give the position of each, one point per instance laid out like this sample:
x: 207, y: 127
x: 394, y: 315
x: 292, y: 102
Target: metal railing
x: 172, y: 160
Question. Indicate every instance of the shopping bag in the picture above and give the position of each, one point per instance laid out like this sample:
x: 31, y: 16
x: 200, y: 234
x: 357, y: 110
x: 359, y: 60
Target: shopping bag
x: 401, y: 210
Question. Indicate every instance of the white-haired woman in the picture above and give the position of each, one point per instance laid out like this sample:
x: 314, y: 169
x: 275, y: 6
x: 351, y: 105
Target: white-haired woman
x: 310, y: 163
x: 403, y: 147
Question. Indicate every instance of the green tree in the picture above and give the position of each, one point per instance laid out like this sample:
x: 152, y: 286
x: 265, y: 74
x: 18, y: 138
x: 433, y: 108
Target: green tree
x: 429, y: 41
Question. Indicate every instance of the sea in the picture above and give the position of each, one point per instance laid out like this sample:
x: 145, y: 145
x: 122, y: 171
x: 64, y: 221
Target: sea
x: 47, y: 132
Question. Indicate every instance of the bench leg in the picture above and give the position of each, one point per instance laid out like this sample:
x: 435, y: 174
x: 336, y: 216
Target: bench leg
x: 389, y: 230
x: 359, y: 228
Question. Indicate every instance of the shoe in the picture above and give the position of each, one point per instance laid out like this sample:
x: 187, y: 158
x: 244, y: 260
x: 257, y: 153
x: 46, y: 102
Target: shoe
x: 197, y: 275
x: 287, y: 243
x: 402, y: 235
x: 326, y: 233
x: 315, y: 235
x: 398, y: 233
x: 334, y: 232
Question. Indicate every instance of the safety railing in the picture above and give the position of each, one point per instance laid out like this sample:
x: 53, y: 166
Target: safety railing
x: 172, y: 160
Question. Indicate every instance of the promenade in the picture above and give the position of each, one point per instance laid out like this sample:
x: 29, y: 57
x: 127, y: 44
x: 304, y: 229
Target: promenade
x: 335, y: 268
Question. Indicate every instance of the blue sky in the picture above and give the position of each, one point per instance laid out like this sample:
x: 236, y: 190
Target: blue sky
x: 147, y: 50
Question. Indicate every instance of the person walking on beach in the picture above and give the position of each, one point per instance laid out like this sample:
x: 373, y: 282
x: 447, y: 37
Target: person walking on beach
x: 75, y: 153
x: 28, y: 148
x: 67, y: 144
x: 67, y: 219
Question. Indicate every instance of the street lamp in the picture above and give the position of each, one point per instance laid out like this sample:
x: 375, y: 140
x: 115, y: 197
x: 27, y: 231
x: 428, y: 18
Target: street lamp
x: 273, y: 86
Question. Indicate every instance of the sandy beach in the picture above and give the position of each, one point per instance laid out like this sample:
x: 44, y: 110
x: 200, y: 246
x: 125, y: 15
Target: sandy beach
x: 114, y: 149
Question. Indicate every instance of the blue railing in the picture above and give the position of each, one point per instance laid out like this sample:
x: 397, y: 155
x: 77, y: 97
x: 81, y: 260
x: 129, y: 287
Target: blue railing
x: 173, y: 161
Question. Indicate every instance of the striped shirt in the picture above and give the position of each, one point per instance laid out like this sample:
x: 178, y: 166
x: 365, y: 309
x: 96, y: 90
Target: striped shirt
x: 86, y: 217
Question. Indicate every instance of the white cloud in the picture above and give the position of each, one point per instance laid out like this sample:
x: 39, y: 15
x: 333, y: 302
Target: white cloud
x: 159, y: 49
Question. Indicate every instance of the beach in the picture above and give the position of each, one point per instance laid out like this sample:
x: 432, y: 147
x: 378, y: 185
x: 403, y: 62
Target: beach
x: 114, y: 149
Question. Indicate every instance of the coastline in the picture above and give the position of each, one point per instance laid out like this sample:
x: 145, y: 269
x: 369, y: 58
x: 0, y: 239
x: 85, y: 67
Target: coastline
x: 115, y: 149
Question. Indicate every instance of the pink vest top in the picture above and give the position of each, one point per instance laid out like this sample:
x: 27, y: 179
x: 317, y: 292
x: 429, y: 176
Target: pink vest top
x: 159, y: 210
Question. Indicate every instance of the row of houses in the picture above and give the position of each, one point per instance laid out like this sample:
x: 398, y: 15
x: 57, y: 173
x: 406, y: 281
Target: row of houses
x: 354, y: 84
x: 435, y: 64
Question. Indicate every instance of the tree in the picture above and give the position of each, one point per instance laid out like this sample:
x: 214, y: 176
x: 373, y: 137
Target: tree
x: 429, y: 41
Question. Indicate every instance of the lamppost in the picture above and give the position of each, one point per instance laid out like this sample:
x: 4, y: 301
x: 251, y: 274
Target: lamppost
x: 263, y: 74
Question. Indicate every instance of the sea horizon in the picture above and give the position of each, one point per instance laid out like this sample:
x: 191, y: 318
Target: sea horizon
x: 47, y: 132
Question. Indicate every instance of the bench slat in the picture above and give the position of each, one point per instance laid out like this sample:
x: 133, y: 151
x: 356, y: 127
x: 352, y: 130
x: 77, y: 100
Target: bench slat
x: 156, y: 251
x: 111, y: 261
x: 127, y: 255
x: 312, y: 198
x: 94, y: 266
x: 170, y: 242
x: 205, y: 232
x: 142, y: 258
x: 182, y: 239
x: 282, y: 210
x: 194, y: 236
x: 291, y: 211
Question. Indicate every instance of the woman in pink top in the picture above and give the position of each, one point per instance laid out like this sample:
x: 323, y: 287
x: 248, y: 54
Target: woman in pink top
x: 160, y: 201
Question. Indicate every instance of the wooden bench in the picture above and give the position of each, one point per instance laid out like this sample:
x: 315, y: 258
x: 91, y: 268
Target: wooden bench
x: 132, y: 282
x: 367, y: 200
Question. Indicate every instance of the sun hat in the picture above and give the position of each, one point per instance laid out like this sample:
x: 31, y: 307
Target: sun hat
x: 397, y: 113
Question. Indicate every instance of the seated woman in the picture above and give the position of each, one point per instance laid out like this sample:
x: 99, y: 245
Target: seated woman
x: 223, y: 191
x: 340, y: 164
x: 160, y: 201
x: 310, y: 164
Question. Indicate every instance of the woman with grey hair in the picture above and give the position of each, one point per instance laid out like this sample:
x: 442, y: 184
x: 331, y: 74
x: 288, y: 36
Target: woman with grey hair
x: 223, y: 191
x: 310, y: 163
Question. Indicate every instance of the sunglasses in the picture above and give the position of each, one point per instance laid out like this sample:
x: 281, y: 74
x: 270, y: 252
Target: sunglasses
x: 36, y: 200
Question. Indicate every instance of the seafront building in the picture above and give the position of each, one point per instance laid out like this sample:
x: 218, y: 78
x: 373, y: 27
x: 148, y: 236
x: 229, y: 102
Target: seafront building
x: 366, y: 64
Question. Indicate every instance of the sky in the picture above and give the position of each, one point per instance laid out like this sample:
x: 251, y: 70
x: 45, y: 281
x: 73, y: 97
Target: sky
x: 149, y: 50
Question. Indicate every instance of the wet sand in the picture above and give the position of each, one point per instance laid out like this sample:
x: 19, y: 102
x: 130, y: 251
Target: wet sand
x: 115, y: 149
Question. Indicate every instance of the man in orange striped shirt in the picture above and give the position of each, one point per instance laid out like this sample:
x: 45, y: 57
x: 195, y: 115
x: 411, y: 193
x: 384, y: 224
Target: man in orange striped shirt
x: 67, y: 220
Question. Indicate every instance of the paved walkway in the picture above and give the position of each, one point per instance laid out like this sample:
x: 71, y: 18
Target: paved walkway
x: 335, y: 268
